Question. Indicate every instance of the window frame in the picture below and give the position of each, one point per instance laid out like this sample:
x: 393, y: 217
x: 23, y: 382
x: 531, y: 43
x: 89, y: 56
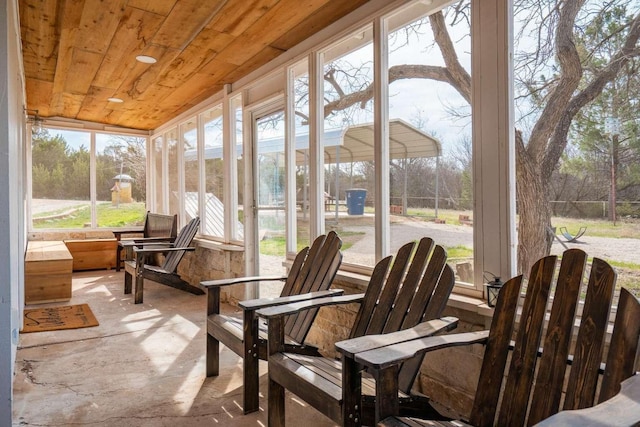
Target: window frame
x: 92, y: 130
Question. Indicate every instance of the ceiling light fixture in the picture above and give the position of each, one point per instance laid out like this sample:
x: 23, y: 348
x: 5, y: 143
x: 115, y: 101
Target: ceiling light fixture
x: 118, y: 100
x: 146, y: 59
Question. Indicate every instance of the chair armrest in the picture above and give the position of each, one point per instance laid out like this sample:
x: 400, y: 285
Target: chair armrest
x: 286, y: 309
x: 238, y: 280
x: 370, y: 342
x: 255, y: 304
x: 395, y: 354
x: 161, y: 249
x: 623, y: 409
x: 145, y: 241
x: 118, y: 233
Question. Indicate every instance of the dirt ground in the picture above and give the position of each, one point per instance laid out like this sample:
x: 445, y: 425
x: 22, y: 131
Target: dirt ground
x: 404, y: 229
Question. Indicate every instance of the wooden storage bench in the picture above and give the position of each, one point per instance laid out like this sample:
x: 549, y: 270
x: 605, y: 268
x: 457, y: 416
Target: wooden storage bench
x: 92, y: 254
x: 47, y: 272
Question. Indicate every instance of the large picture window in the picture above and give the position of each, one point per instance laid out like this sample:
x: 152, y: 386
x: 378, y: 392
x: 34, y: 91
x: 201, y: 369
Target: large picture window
x: 66, y: 162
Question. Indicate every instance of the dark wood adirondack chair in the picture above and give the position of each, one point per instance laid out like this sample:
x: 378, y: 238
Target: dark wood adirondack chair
x: 542, y: 377
x: 157, y: 228
x: 166, y: 273
x: 415, y: 288
x: 310, y: 276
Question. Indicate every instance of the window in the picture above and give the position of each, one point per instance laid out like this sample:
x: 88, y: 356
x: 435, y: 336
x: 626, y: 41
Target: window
x: 66, y: 162
x: 175, y: 189
x: 430, y: 138
x: 349, y: 168
x: 120, y: 180
x: 189, y: 133
x: 214, y: 172
x: 300, y: 226
x: 200, y: 182
x: 158, y: 174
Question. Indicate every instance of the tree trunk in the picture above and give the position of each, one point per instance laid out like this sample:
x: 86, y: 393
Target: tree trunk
x: 534, y: 239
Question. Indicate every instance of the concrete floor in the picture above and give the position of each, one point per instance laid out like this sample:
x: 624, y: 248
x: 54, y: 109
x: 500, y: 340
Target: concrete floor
x: 142, y: 366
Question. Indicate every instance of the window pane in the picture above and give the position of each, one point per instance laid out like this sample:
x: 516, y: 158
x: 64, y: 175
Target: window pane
x: 189, y: 133
x: 270, y: 178
x: 348, y: 163
x: 237, y: 233
x: 214, y: 170
x: 430, y: 195
x: 173, y: 178
x: 158, y: 174
x: 301, y: 138
x: 61, y: 196
x: 120, y: 180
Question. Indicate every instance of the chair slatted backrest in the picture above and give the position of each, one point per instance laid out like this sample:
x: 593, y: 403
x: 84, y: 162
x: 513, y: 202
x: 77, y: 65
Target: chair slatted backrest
x: 534, y: 384
x: 158, y: 225
x: 415, y: 289
x: 313, y: 270
x: 183, y: 240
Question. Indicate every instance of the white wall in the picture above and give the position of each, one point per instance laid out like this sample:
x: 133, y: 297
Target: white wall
x: 12, y: 201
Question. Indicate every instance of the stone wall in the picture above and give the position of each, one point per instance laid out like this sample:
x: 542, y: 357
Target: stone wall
x: 213, y: 263
x: 70, y: 235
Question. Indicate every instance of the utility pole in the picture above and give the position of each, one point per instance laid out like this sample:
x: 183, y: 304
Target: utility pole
x: 612, y: 127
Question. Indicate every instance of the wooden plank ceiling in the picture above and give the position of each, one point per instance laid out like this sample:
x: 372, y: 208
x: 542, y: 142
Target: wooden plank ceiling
x: 79, y: 53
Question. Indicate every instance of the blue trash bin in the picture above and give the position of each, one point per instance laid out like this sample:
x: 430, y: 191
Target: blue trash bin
x: 355, y: 200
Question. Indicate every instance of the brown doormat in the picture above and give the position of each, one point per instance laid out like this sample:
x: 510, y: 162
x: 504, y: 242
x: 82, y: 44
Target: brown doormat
x: 55, y: 318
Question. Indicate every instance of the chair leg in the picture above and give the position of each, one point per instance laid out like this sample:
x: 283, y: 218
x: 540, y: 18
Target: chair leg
x: 276, y: 404
x: 118, y: 257
x: 276, y: 391
x: 127, y: 282
x: 250, y: 361
x: 213, y: 356
x: 351, y: 393
x: 139, y: 285
x: 386, y: 393
x: 250, y: 372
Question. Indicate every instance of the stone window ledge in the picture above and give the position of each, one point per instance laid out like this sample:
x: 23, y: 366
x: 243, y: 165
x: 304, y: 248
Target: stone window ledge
x: 218, y: 246
x: 458, y: 301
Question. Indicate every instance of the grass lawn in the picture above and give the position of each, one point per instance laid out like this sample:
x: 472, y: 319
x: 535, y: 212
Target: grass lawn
x: 127, y: 214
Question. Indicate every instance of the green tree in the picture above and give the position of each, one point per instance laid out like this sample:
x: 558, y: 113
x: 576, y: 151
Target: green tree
x: 606, y: 130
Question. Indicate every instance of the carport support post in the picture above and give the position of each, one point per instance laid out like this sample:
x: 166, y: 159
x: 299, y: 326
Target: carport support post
x: 437, y: 183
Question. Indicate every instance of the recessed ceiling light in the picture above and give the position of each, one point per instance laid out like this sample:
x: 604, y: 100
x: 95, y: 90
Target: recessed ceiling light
x: 115, y: 100
x: 146, y: 59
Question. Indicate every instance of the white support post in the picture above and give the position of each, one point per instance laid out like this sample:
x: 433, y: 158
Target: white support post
x: 381, y: 136
x: 202, y: 172
x: 290, y: 161
x: 230, y: 166
x: 165, y: 173
x: 250, y: 203
x: 493, y: 139
x: 316, y: 160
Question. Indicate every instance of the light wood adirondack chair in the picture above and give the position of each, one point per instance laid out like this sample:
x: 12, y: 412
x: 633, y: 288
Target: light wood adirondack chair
x: 166, y: 273
x: 415, y: 288
x: 542, y: 377
x: 310, y: 276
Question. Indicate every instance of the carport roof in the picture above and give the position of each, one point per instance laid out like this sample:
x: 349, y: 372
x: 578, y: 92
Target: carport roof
x: 352, y: 144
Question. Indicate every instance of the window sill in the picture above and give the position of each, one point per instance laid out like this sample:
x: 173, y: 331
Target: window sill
x: 456, y: 300
x: 218, y: 246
